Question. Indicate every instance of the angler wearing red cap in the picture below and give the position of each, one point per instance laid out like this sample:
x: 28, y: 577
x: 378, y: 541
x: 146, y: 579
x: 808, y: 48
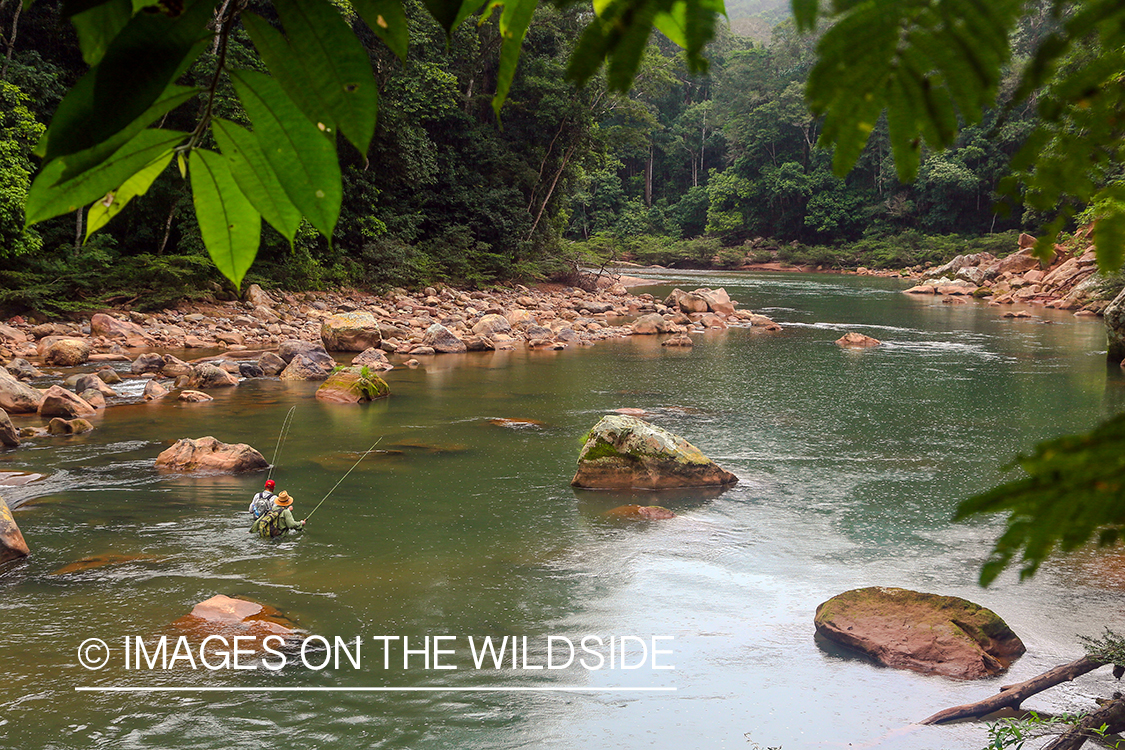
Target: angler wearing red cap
x: 263, y: 501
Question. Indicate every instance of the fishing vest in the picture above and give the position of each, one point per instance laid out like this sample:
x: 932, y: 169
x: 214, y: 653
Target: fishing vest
x: 269, y: 525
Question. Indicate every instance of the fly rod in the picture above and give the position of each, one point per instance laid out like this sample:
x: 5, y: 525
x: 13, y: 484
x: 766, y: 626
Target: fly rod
x: 285, y: 424
x: 342, y: 478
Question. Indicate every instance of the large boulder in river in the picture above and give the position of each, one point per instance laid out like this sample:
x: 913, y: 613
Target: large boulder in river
x: 110, y: 327
x: 12, y: 544
x: 442, y: 340
x: 303, y: 367
x: 925, y: 633
x: 350, y: 332
x: 207, y: 375
x: 271, y: 364
x: 376, y: 359
x: 59, y: 402
x: 17, y: 397
x: 623, y: 452
x: 688, y: 302
x: 1114, y: 316
x: 147, y: 362
x: 9, y: 438
x: 650, y: 324
x: 209, y: 454
x: 315, y: 352
x: 64, y: 351
x: 352, y: 385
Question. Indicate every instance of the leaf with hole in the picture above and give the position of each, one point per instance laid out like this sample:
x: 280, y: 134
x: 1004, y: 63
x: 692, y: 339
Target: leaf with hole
x: 111, y: 204
x: 255, y: 177
x: 52, y: 196
x: 303, y: 158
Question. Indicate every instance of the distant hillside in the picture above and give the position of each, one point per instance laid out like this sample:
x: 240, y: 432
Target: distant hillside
x: 756, y: 18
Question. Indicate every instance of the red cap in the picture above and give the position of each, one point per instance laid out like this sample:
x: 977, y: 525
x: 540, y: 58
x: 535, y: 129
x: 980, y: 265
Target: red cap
x: 269, y: 484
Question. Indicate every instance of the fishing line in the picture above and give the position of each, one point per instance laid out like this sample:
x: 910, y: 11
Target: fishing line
x: 343, y: 478
x: 285, y: 424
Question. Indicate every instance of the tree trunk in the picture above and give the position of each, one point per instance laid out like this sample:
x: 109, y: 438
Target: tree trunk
x: 648, y: 177
x: 551, y: 190
x: 78, y: 230
x: 11, y: 41
x: 1111, y: 716
x: 1011, y: 696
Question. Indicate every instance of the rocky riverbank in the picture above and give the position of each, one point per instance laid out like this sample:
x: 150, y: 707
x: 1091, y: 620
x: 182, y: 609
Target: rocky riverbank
x: 1069, y: 281
x: 298, y: 336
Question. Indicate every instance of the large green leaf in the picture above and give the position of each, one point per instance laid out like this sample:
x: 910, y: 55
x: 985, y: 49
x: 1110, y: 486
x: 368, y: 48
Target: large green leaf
x: 114, y: 201
x: 50, y: 196
x: 618, y: 34
x: 172, y: 97
x: 230, y: 226
x: 255, y: 177
x: 335, y: 63
x: 930, y: 63
x: 287, y: 70
x: 140, y: 63
x: 387, y: 18
x: 98, y: 24
x: 302, y: 157
x: 513, y: 27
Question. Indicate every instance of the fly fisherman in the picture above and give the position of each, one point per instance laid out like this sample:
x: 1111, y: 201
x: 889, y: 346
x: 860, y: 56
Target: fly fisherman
x: 278, y: 520
x: 263, y: 501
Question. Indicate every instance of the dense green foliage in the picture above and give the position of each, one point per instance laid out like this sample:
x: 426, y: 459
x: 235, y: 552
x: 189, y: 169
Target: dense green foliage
x: 371, y: 124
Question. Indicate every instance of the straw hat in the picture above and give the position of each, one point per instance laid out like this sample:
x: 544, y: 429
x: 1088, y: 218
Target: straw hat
x: 283, y: 499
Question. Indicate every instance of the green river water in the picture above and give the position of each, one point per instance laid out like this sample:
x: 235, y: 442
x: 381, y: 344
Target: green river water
x: 850, y: 465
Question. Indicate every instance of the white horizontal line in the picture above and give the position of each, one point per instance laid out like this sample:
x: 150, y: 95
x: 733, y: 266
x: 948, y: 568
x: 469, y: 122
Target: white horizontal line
x: 176, y: 689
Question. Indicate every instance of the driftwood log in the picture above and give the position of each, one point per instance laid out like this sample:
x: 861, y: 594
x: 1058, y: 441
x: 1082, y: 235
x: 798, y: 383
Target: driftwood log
x: 1111, y: 716
x: 1011, y: 696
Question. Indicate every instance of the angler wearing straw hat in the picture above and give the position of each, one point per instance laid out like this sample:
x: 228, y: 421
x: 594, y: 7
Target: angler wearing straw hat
x: 278, y: 520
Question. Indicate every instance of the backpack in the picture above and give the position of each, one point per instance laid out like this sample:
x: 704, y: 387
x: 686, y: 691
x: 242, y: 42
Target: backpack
x: 269, y: 525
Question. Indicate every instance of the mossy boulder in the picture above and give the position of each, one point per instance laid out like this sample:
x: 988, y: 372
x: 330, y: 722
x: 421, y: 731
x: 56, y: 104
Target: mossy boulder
x: 925, y: 633
x: 624, y: 452
x: 352, y: 385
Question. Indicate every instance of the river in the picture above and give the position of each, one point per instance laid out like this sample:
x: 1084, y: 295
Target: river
x: 850, y: 465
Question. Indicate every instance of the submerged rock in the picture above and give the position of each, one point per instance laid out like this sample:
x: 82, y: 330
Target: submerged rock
x: 640, y: 513
x: 228, y: 616
x: 12, y: 544
x: 60, y: 426
x: 852, y: 340
x: 195, y: 397
x: 623, y: 452
x: 925, y: 633
x: 352, y: 385
x: 209, y: 454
